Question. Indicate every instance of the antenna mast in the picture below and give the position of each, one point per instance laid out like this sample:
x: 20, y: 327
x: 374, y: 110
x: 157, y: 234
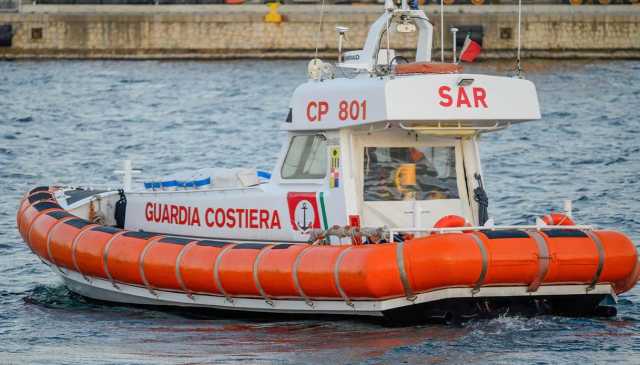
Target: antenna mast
x: 518, y: 66
x: 442, y: 31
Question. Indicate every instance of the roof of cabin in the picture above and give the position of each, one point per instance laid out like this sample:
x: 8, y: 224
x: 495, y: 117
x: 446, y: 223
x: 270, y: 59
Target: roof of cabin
x: 342, y: 103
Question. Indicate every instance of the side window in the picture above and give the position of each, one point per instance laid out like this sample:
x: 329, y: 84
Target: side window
x: 306, y: 158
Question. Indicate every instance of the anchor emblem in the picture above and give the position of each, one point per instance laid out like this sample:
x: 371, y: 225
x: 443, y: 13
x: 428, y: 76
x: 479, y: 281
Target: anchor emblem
x: 306, y: 223
x: 304, y: 214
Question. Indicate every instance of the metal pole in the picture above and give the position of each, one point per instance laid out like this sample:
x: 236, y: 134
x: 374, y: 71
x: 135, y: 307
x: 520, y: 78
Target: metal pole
x: 568, y: 208
x: 340, y: 48
x: 455, y: 44
x: 442, y: 31
x: 519, y: 68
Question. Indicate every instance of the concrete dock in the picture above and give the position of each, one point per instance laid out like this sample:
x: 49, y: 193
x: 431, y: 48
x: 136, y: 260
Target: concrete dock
x: 240, y: 31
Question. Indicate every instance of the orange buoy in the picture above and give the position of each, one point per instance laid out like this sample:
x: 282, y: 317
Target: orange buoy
x: 451, y: 221
x: 558, y: 219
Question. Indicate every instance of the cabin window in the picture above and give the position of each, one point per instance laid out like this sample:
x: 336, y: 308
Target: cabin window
x: 306, y: 158
x: 409, y: 173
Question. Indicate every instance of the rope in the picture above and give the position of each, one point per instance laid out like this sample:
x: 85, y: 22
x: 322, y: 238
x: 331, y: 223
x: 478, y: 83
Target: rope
x: 320, y: 28
x: 480, y: 196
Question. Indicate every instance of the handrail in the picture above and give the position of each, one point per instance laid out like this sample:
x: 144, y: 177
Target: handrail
x: 496, y: 127
x: 393, y: 231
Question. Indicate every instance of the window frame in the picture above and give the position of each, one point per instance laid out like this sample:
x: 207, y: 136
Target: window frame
x: 453, y: 148
x: 294, y: 180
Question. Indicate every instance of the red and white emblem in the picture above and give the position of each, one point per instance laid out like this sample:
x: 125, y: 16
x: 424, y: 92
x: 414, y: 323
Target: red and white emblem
x: 303, y: 211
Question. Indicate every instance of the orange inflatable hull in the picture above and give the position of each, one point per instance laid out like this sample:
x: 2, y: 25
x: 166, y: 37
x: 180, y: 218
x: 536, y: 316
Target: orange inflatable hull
x: 270, y: 271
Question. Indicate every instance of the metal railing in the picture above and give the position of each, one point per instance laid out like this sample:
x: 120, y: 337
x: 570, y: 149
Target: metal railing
x: 540, y: 227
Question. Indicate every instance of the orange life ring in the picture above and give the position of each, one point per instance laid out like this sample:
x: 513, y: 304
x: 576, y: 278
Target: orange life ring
x: 427, y: 68
x: 451, y: 221
x: 477, y: 2
x: 558, y: 219
x: 576, y: 2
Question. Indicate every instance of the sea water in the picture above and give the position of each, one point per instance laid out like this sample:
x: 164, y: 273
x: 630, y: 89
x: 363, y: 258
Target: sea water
x: 69, y: 122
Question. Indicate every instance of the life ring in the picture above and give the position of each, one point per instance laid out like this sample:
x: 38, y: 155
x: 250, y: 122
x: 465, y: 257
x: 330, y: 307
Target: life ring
x: 477, y: 2
x: 576, y: 2
x: 451, y: 221
x: 558, y: 219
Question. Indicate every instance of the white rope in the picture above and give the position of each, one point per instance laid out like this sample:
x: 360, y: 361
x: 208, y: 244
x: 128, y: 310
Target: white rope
x: 320, y: 28
x: 442, y: 31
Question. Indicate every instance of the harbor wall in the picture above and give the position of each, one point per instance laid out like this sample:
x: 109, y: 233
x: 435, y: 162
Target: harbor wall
x: 227, y: 31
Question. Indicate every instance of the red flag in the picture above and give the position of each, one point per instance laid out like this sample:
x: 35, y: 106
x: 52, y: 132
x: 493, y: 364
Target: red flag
x: 470, y: 50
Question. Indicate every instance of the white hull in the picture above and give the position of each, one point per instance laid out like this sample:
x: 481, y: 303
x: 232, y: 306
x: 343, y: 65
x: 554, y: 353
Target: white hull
x: 105, y: 290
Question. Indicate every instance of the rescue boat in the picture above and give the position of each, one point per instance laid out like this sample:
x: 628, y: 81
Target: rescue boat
x: 376, y: 206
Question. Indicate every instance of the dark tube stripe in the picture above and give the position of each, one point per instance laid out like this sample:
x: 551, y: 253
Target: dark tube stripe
x: 106, y: 229
x: 139, y: 234
x: 249, y: 246
x: 496, y: 235
x: 45, y: 205
x: 564, y: 233
x: 212, y: 243
x: 39, y: 196
x: 77, y: 223
x: 59, y: 214
x: 39, y: 188
x: 176, y: 240
x: 282, y: 246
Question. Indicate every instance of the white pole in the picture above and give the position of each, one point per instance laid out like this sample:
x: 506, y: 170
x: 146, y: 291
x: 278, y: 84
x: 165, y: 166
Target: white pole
x: 339, y: 47
x: 519, y: 69
x: 417, y: 212
x: 568, y: 208
x: 127, y: 175
x: 455, y: 43
x: 442, y: 31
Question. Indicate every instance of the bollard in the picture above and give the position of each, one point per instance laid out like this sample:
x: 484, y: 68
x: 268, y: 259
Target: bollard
x: 273, y: 16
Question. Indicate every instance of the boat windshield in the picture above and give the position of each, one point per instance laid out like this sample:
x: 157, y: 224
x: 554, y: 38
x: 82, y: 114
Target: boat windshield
x: 306, y: 158
x: 409, y: 173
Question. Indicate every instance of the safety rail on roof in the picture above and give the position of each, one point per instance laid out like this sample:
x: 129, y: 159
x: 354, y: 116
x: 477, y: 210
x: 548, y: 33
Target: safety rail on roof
x: 456, y: 127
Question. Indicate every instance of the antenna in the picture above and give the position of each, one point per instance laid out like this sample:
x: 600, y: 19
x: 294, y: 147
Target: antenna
x: 341, y: 36
x: 320, y: 29
x: 389, y: 6
x: 454, y: 30
x: 442, y: 31
x: 518, y: 67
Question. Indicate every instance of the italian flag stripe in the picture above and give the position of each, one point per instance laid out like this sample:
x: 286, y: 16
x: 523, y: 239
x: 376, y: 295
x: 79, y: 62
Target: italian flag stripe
x: 323, y: 211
